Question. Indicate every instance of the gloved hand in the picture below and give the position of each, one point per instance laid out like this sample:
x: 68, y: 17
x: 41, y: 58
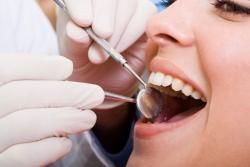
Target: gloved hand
x: 37, y: 108
x: 122, y: 23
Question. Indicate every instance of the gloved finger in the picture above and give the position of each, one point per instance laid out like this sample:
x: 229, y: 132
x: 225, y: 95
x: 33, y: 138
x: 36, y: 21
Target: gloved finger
x: 40, y: 153
x: 77, y: 34
x: 73, y: 41
x: 76, y: 44
x: 35, y: 124
x: 125, y: 11
x: 137, y: 24
x: 96, y: 54
x: 42, y: 94
x: 127, y: 30
x: 22, y: 67
x: 81, y: 11
x: 104, y: 20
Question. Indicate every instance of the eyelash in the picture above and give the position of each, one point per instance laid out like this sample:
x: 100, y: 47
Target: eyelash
x: 166, y: 3
x: 229, y: 6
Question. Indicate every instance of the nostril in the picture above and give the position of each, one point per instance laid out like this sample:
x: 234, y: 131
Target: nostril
x: 163, y: 39
x: 166, y: 37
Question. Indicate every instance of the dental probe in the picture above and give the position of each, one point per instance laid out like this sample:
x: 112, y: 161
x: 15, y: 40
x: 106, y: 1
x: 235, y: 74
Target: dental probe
x: 117, y: 97
x: 106, y: 46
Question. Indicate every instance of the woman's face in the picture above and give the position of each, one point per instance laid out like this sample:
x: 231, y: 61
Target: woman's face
x: 201, y: 47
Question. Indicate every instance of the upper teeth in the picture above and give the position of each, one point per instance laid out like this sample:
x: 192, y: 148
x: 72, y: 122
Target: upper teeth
x: 159, y: 79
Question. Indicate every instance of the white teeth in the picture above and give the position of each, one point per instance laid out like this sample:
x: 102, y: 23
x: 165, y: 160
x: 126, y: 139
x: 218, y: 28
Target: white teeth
x: 187, y: 90
x: 196, y: 95
x: 177, y: 84
x: 167, y: 80
x: 159, y: 79
x: 151, y: 78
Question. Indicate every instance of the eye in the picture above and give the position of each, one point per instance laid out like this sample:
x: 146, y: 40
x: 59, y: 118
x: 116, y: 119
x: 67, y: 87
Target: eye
x: 166, y: 3
x: 229, y: 6
x: 162, y: 4
x: 230, y: 10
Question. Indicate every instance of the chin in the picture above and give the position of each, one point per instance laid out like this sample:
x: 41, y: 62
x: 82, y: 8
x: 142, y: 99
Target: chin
x: 159, y: 160
x: 163, y: 154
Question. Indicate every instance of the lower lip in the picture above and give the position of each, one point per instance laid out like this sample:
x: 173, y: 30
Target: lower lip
x: 146, y: 130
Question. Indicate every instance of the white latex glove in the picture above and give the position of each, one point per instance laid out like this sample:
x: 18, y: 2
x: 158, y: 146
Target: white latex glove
x: 37, y: 108
x: 122, y: 23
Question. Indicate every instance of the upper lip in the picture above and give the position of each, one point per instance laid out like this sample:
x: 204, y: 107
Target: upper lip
x: 170, y: 68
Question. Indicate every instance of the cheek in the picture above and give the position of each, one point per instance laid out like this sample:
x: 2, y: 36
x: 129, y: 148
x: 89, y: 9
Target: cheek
x: 225, y: 58
x: 227, y: 135
x: 226, y: 62
x: 224, y: 51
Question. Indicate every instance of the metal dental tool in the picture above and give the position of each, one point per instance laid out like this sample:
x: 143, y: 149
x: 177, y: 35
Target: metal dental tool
x: 149, y: 101
x: 116, y: 97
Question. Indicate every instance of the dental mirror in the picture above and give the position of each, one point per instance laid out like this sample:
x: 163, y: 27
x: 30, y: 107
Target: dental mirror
x: 149, y: 101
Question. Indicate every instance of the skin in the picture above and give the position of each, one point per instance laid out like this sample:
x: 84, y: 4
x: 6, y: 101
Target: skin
x: 48, y: 7
x: 212, y: 48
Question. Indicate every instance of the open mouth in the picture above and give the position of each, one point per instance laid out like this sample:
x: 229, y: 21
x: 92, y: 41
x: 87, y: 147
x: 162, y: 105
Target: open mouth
x: 181, y: 100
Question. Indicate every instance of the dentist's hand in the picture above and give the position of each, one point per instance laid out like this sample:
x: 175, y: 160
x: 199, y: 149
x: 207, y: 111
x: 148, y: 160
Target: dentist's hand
x: 37, y: 108
x: 122, y: 23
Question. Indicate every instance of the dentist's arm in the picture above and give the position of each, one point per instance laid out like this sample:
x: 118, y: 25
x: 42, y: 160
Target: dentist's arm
x: 38, y: 109
x: 122, y: 23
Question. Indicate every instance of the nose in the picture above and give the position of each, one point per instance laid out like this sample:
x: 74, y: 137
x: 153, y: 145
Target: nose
x: 172, y: 26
